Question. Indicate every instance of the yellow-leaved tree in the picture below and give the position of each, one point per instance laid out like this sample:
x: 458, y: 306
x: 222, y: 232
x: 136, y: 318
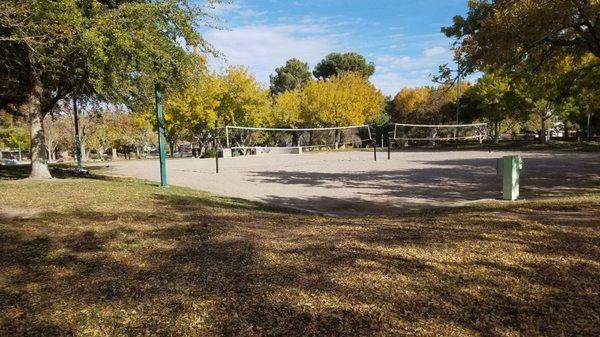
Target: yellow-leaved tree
x: 190, y: 113
x: 242, y: 100
x: 343, y: 100
x: 407, y: 100
x: 286, y: 110
x: 231, y: 98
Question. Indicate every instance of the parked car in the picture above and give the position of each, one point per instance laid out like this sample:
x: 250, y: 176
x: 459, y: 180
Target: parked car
x: 9, y: 162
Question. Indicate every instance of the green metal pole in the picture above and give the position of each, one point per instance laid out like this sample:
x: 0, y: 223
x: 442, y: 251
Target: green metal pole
x: 161, y: 135
x: 77, y: 136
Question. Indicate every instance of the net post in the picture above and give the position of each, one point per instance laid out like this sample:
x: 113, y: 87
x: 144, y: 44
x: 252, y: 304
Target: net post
x: 374, y: 142
x: 389, y: 147
x: 489, y: 137
x: 216, y: 147
x: 227, y: 136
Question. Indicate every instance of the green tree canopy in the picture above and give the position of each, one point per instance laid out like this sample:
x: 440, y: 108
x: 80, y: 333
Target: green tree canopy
x: 294, y: 75
x: 501, y: 32
x: 495, y: 100
x: 116, y: 50
x: 336, y: 64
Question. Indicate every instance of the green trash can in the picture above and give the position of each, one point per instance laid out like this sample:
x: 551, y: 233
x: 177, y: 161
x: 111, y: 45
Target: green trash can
x: 509, y: 168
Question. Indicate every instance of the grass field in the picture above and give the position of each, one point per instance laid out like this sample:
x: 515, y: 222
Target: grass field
x: 108, y: 257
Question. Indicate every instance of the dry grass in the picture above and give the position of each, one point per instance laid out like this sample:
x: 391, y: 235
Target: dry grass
x: 107, y: 257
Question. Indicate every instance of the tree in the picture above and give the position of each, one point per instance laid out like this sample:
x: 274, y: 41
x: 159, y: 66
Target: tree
x: 347, y: 99
x: 438, y: 108
x: 191, y: 112
x: 336, y: 64
x: 294, y: 75
x: 427, y: 105
x: 129, y: 133
x: 14, y: 133
x: 286, y: 110
x: 231, y: 98
x: 242, y: 100
x: 496, y: 101
x: 501, y: 32
x: 117, y: 50
x: 56, y: 132
x: 102, y: 132
x: 407, y: 100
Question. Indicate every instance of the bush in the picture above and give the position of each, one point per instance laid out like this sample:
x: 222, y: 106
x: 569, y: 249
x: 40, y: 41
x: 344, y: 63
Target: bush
x: 209, y: 153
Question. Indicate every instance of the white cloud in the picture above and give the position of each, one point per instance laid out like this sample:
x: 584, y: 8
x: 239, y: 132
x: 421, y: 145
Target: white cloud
x: 262, y: 48
x: 262, y: 44
x: 397, y: 71
x: 435, y: 51
x: 390, y: 82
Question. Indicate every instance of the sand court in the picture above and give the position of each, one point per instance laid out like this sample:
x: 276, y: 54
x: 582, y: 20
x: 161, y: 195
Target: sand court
x: 352, y: 183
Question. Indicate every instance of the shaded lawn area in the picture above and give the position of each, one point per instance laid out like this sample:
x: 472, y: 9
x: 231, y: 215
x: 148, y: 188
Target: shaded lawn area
x: 104, y: 256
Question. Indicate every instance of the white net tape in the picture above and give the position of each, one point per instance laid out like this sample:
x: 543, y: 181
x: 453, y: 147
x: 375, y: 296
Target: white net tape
x: 252, y: 140
x: 433, y: 133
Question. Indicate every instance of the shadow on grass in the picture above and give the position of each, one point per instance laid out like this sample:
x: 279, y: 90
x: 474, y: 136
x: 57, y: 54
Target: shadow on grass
x: 213, y: 266
x: 189, y: 265
x: 14, y: 172
x: 58, y: 171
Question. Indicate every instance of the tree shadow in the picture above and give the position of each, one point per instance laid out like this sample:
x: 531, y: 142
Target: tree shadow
x: 433, y: 184
x: 14, y: 172
x: 196, y: 266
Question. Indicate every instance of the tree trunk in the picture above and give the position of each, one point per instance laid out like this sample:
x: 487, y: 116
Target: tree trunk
x: 83, y: 152
x: 172, y: 149
x: 543, y: 130
x: 496, y: 132
x: 38, y: 154
x: 432, y: 134
x: 100, y: 152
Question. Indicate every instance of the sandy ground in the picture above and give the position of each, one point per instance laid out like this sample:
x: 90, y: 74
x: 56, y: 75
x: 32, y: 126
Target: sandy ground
x: 348, y: 183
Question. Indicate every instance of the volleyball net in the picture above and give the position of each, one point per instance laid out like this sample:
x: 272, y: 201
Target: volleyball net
x: 242, y: 140
x: 406, y: 134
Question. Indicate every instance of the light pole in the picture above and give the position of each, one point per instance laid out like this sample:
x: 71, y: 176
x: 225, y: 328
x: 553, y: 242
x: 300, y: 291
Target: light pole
x: 457, y: 102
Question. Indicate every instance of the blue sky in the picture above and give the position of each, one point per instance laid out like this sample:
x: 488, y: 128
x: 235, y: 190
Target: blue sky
x: 402, y: 37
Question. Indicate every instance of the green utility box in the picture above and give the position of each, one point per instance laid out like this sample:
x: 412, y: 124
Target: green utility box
x: 509, y: 168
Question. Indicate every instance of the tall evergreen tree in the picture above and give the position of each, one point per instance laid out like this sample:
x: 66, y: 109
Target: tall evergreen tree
x: 294, y: 75
x: 336, y: 64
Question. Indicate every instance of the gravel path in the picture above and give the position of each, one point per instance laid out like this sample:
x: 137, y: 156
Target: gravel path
x: 350, y: 183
